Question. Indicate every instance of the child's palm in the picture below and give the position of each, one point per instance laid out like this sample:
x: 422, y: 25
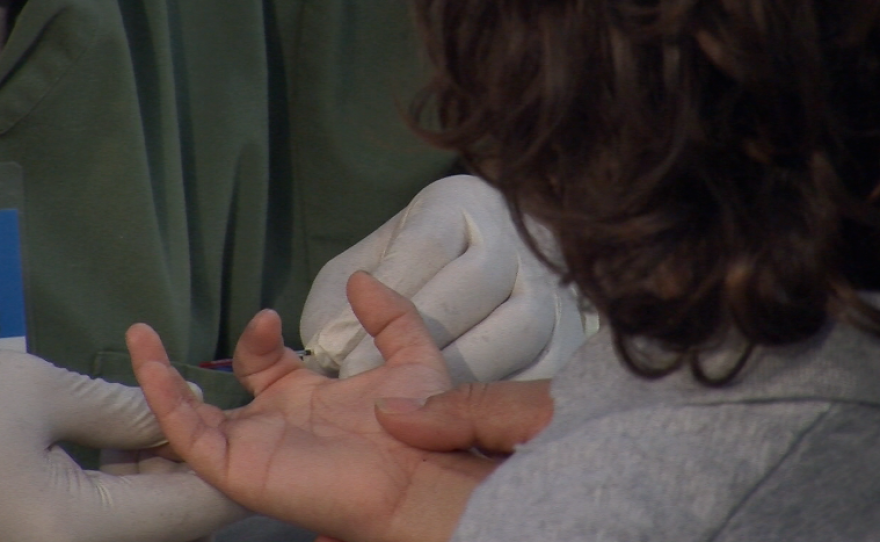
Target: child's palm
x: 309, y: 448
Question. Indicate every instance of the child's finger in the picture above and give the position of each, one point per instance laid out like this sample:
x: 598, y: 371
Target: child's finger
x: 260, y: 357
x: 393, y: 321
x: 190, y: 425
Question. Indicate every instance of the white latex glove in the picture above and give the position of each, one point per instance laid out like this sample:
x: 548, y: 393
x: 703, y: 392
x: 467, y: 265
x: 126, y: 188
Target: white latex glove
x: 132, y: 462
x: 491, y: 306
x: 46, y: 497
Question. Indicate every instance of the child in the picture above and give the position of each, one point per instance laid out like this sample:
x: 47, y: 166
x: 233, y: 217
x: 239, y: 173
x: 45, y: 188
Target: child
x: 710, y: 169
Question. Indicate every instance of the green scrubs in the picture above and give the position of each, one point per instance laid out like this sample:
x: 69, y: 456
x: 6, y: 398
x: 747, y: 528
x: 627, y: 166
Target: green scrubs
x: 186, y: 163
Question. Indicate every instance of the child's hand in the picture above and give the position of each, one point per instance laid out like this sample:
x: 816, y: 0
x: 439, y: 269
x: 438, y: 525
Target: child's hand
x: 309, y: 449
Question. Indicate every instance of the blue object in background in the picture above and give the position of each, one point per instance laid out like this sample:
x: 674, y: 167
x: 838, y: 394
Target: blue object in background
x: 12, y: 323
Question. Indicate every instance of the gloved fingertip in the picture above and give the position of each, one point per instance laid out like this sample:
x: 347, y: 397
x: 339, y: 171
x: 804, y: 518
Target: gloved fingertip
x: 400, y: 405
x: 197, y: 391
x: 320, y: 360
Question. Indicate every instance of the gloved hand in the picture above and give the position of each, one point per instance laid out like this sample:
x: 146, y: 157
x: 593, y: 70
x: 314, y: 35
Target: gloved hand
x: 133, y: 462
x: 45, y: 496
x: 494, y: 310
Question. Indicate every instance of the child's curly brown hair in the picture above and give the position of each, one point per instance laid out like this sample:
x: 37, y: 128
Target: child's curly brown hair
x: 708, y: 166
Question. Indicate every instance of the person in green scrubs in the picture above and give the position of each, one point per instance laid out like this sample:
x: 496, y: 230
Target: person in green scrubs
x: 187, y: 163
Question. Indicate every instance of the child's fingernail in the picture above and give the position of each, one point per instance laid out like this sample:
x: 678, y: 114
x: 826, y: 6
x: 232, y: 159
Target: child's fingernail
x: 399, y: 405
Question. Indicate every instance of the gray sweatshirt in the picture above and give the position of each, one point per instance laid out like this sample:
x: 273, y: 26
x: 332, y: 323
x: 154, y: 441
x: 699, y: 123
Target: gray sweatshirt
x: 789, y: 453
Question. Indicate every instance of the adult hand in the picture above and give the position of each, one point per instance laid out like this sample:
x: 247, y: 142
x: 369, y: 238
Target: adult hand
x: 493, y: 418
x: 45, y: 495
x: 495, y: 311
x: 309, y: 449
